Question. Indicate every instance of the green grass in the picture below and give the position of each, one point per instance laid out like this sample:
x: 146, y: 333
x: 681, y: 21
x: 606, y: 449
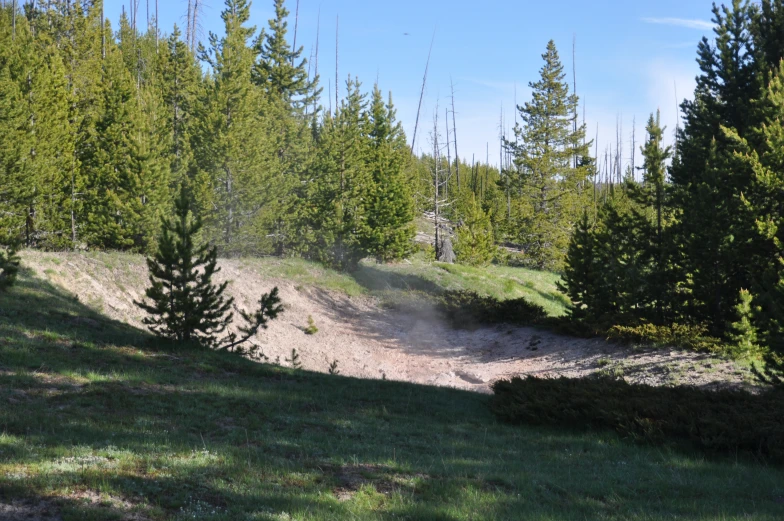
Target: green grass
x: 99, y: 421
x: 397, y: 281
x: 501, y: 282
x: 391, y: 282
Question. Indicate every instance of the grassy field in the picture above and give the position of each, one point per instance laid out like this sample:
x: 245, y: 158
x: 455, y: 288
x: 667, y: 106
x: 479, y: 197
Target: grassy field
x: 100, y: 422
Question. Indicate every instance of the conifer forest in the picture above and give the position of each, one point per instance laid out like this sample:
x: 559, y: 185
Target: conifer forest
x: 233, y: 287
x: 101, y: 125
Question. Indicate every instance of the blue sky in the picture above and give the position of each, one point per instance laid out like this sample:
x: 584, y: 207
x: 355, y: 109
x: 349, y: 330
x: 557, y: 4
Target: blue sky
x: 631, y: 55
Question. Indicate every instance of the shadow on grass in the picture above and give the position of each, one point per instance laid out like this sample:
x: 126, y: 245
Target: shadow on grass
x: 100, y: 421
x: 374, y: 279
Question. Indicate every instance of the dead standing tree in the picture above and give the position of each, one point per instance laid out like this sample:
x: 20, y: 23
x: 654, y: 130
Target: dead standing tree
x: 441, y: 176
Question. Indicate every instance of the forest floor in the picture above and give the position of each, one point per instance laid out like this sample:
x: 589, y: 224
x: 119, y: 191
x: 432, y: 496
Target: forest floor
x: 380, y: 323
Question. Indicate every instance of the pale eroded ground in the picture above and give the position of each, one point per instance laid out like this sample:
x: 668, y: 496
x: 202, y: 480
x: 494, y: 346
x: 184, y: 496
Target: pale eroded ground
x: 370, y: 341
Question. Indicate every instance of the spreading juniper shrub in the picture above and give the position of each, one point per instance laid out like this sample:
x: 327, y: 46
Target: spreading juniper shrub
x: 718, y: 422
x: 467, y: 309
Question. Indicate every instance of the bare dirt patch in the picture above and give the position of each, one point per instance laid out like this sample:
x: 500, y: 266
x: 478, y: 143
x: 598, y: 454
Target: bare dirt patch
x: 32, y: 510
x: 369, y: 341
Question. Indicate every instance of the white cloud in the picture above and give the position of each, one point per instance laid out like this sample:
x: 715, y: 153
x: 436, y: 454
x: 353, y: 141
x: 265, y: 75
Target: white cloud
x: 681, y: 22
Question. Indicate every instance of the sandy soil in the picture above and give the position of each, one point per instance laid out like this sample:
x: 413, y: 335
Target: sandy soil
x: 413, y: 345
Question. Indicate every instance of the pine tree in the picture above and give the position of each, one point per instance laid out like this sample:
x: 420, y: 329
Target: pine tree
x: 81, y: 45
x: 762, y: 204
x: 390, y: 229
x: 128, y: 186
x: 475, y: 241
x: 579, y: 277
x: 282, y: 71
x: 544, y: 149
x: 238, y: 180
x: 712, y: 229
x: 333, y: 219
x: 180, y: 85
x: 743, y: 332
x: 651, y: 218
x: 186, y: 305
x: 9, y: 265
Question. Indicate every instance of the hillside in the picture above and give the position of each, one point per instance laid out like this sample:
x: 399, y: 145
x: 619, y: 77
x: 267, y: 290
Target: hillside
x: 381, y: 322
x: 100, y: 422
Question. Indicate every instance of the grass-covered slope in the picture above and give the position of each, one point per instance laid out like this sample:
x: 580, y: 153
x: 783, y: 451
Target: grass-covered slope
x: 387, y: 281
x: 100, y: 422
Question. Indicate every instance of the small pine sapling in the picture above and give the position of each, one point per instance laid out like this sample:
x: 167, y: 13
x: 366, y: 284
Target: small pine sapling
x: 744, y: 333
x: 185, y: 305
x: 9, y: 266
x: 311, y: 329
x: 294, y: 360
x: 333, y: 368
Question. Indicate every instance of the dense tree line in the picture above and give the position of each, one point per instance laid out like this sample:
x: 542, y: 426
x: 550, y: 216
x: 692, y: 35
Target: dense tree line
x: 701, y: 242
x: 99, y: 129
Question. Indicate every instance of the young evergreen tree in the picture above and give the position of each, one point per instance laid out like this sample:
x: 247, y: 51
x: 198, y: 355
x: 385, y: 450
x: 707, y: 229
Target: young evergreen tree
x: 762, y: 204
x: 128, y: 186
x: 475, y: 244
x: 544, y: 149
x: 652, y: 218
x: 580, y: 272
x: 186, y: 306
x: 180, y: 83
x: 712, y: 230
x: 743, y: 332
x: 239, y: 182
x: 282, y: 71
x: 333, y: 219
x: 9, y: 265
x: 390, y: 213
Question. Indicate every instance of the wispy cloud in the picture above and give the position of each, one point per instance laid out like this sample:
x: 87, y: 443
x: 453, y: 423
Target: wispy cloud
x: 680, y: 22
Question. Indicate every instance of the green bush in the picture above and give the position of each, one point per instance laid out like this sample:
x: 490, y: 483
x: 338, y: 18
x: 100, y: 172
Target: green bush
x: 466, y: 309
x: 720, y: 422
x: 9, y: 266
x: 693, y: 338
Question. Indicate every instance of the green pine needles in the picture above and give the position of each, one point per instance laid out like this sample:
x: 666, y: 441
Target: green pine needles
x: 9, y: 266
x: 475, y: 241
x: 185, y: 305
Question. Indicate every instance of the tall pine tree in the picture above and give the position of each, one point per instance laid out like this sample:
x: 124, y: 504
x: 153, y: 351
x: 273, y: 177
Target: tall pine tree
x: 548, y: 179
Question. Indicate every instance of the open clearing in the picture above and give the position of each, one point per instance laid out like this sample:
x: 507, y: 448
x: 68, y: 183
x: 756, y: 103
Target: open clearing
x: 98, y: 421
x: 378, y: 324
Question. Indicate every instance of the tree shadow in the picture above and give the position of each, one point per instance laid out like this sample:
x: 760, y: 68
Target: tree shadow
x: 374, y: 279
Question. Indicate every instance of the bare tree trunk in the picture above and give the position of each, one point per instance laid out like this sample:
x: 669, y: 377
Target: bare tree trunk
x: 596, y: 176
x: 318, y: 31
x: 189, y: 27
x: 103, y: 31
x: 195, y: 24
x: 13, y: 15
x: 574, y: 82
x: 296, y: 26
x: 436, y: 183
x: 337, y: 49
x: 157, y: 27
x: 454, y: 135
x: 634, y: 146
x: 448, y: 155
x: 422, y: 93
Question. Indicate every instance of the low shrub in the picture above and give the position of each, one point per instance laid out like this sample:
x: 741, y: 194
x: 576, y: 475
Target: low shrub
x: 466, y: 309
x: 721, y: 422
x: 693, y: 338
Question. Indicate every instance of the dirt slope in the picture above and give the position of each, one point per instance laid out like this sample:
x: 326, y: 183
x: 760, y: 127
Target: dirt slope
x: 370, y: 341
